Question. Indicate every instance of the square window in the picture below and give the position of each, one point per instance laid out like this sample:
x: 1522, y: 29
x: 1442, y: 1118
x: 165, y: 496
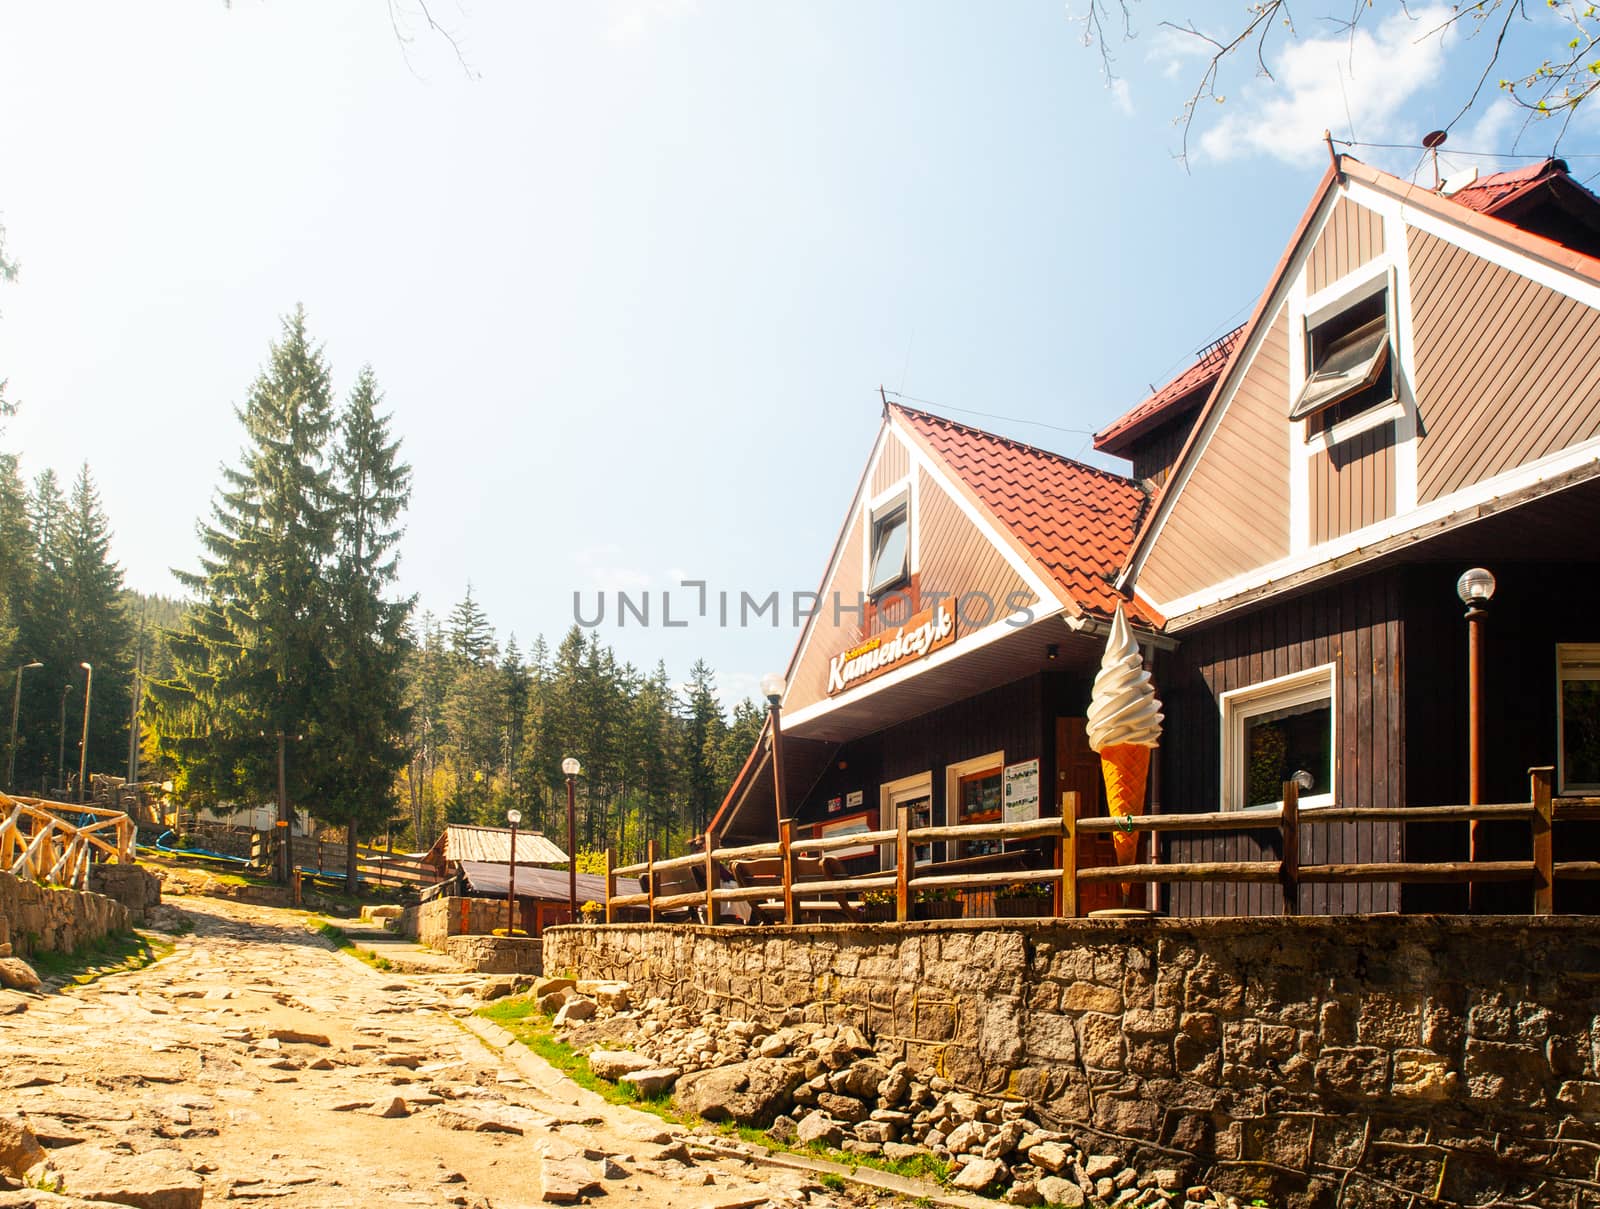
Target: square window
x: 1274, y: 732
x: 889, y: 562
x: 1578, y: 718
x: 1349, y: 369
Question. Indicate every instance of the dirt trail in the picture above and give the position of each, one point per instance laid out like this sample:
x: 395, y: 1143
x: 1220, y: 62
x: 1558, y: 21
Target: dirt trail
x: 173, y: 1075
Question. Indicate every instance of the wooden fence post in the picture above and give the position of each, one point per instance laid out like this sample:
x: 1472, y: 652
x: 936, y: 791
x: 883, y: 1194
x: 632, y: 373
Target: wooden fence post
x: 711, y: 882
x: 1289, y: 829
x: 610, y: 860
x: 650, y: 877
x: 1067, y: 846
x: 902, y: 862
x: 786, y: 855
x: 1544, y: 863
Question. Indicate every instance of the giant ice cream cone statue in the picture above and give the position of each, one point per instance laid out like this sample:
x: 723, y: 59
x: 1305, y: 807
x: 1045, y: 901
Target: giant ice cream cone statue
x: 1124, y: 724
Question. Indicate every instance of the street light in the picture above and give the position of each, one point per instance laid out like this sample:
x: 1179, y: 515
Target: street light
x: 772, y: 686
x: 16, y: 705
x: 513, y: 817
x: 61, y: 755
x: 1476, y: 589
x: 83, y: 754
x: 572, y: 768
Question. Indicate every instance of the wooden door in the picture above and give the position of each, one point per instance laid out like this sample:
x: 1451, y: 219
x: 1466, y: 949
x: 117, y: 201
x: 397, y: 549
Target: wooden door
x: 1078, y: 768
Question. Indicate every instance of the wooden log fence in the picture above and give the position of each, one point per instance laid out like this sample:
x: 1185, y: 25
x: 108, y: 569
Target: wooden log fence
x: 1064, y: 877
x: 56, y: 842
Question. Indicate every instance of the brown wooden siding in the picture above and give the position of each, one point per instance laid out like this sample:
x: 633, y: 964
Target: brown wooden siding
x: 1356, y: 627
x: 893, y: 465
x: 1352, y: 484
x: 1158, y: 450
x: 1508, y: 371
x: 1352, y: 236
x: 956, y: 559
x: 1233, y: 515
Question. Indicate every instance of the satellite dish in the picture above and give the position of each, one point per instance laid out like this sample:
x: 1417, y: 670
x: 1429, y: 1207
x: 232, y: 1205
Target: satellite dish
x: 1434, y: 139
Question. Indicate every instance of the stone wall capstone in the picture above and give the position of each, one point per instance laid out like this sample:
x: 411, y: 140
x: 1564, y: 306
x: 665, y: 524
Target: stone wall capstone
x: 1371, y: 1061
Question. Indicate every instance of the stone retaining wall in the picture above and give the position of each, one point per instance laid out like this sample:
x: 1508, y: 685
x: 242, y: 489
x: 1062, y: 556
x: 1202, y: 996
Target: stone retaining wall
x: 37, y: 919
x: 434, y: 922
x: 497, y: 954
x: 1310, y: 1062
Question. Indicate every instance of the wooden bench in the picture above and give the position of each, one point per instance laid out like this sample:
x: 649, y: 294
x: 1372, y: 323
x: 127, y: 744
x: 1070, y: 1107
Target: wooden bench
x: 767, y: 873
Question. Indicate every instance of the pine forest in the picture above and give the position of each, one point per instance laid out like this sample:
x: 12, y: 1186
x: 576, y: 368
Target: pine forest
x: 293, y: 666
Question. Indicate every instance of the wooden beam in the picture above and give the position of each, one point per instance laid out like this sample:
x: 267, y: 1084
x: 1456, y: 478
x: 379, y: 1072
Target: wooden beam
x: 1289, y: 875
x: 1067, y: 888
x: 1544, y: 880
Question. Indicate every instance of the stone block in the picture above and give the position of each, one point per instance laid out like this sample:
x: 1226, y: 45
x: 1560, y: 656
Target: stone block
x: 1422, y: 1075
x: 1386, y: 1020
x: 1511, y: 1075
x: 1088, y: 997
x: 1356, y: 1072
x: 1100, y: 1041
x: 1050, y: 1037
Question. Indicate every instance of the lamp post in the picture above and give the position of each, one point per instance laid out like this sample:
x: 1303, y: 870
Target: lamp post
x: 1476, y: 589
x: 61, y: 754
x: 513, y: 817
x: 772, y: 686
x: 572, y: 768
x: 16, y: 706
x: 83, y: 753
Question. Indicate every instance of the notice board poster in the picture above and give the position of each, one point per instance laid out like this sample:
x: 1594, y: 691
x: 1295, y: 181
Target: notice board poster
x: 1022, y: 791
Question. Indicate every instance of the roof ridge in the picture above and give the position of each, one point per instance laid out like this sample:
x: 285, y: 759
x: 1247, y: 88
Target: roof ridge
x: 1031, y: 448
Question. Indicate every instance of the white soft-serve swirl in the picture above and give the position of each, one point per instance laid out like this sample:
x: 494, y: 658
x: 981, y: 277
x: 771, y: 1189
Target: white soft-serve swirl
x: 1123, y: 707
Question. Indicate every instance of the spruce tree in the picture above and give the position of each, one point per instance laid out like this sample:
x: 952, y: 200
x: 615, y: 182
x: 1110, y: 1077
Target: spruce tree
x: 94, y: 626
x: 471, y: 635
x: 366, y: 721
x: 251, y: 661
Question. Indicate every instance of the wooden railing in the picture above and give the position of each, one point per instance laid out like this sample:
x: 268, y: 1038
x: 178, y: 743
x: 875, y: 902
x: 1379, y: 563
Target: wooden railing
x: 51, y: 841
x: 1065, y: 876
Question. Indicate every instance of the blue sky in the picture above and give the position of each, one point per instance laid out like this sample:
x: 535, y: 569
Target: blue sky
x: 632, y: 285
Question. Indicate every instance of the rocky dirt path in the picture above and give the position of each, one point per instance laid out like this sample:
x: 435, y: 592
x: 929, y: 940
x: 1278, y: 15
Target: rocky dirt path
x: 256, y: 1064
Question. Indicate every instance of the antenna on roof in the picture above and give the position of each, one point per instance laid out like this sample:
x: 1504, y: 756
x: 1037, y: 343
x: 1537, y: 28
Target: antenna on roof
x: 884, y: 396
x: 1433, y: 140
x: 1333, y: 156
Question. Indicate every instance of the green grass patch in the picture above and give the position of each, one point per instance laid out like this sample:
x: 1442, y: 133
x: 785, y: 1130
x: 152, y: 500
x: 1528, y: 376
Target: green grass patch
x: 520, y: 1016
x: 115, y: 954
x: 341, y: 941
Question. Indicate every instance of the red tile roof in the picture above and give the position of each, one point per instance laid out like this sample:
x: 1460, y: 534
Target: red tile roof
x: 1076, y: 521
x: 1188, y: 389
x: 1499, y: 189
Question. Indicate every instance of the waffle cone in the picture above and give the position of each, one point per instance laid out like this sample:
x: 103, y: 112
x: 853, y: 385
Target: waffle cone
x: 1126, y: 767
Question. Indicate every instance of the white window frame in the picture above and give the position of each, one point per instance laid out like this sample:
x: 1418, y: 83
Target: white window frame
x: 1283, y: 692
x: 952, y: 785
x: 1326, y: 304
x: 898, y: 495
x: 890, y: 795
x: 1569, y: 657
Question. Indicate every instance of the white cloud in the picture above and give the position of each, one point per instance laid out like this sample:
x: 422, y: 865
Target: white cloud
x: 1121, y: 96
x: 1337, y: 83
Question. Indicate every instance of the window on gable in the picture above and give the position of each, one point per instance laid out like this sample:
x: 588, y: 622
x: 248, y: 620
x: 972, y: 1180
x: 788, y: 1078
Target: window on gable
x: 1349, y: 366
x: 889, y: 561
